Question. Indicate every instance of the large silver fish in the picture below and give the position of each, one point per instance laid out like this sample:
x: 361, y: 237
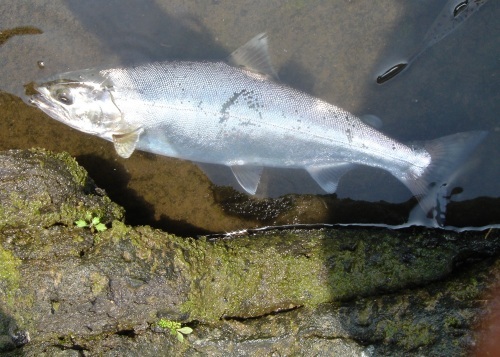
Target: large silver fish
x: 237, y: 115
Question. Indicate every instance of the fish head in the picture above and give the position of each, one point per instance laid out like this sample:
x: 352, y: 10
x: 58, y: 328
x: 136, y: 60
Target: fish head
x: 87, y: 106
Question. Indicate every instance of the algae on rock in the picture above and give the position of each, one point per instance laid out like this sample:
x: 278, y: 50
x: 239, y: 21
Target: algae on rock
x: 346, y: 291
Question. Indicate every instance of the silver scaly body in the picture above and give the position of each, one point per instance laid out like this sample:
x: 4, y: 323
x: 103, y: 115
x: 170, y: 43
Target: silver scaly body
x: 216, y: 113
x: 213, y: 112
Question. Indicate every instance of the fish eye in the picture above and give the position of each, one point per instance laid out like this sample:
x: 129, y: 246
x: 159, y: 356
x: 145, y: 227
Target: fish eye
x: 64, y: 97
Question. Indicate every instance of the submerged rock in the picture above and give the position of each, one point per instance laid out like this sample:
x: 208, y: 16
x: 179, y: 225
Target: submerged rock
x: 66, y: 290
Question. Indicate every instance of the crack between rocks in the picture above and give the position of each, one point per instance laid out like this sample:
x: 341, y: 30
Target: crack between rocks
x: 272, y: 313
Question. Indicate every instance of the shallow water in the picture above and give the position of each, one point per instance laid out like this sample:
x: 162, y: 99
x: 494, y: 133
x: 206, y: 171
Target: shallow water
x: 332, y: 49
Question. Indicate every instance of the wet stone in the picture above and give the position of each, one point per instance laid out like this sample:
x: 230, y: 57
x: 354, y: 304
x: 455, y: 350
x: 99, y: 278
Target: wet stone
x: 72, y: 290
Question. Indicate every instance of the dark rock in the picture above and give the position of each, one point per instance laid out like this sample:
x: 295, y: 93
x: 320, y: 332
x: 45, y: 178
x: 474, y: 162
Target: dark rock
x: 41, y: 189
x: 80, y: 291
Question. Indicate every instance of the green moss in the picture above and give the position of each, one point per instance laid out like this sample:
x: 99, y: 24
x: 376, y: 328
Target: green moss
x: 365, y: 315
x: 18, y: 209
x: 250, y: 276
x: 452, y: 322
x: 98, y: 283
x: 55, y: 305
x: 408, y: 335
x: 118, y: 230
x: 79, y: 174
x: 69, y: 212
x: 233, y: 272
x: 465, y: 290
x: 9, y: 275
x: 14, y: 303
x: 293, y: 268
x: 45, y: 207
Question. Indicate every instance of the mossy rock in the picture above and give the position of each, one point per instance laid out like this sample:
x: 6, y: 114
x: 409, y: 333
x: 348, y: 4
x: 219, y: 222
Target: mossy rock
x: 65, y: 289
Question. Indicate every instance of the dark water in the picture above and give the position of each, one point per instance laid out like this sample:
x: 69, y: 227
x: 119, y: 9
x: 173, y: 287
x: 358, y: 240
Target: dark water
x: 332, y: 49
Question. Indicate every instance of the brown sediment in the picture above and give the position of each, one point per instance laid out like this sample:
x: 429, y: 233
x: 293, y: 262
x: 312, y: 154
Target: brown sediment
x: 5, y: 35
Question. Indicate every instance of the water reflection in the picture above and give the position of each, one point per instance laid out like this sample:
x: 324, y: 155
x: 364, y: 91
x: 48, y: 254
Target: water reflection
x: 329, y: 49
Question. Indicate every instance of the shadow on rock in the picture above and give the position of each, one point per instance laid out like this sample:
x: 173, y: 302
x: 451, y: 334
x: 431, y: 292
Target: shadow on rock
x: 113, y: 176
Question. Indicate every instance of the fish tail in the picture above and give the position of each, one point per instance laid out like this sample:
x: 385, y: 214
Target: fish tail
x: 447, y: 155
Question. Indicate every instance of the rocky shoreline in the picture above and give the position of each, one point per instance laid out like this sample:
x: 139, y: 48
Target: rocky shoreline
x: 72, y: 291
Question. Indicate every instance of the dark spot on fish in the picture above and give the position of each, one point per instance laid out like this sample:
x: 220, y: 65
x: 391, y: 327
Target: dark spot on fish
x: 228, y: 104
x: 391, y: 72
x: 247, y: 123
x: 460, y: 7
x: 349, y: 135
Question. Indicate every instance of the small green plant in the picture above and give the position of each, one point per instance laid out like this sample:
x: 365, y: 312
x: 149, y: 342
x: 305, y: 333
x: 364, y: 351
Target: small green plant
x: 94, y: 223
x: 175, y: 328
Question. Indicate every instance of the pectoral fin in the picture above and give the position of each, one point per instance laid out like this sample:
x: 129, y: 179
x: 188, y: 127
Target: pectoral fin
x: 328, y: 177
x: 372, y: 120
x: 125, y: 143
x: 254, y: 56
x: 248, y: 176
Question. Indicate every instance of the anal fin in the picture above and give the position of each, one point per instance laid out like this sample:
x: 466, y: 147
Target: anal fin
x: 328, y: 177
x: 248, y: 176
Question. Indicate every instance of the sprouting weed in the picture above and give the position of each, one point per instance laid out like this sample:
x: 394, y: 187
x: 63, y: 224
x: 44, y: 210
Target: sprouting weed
x: 94, y: 223
x: 175, y: 328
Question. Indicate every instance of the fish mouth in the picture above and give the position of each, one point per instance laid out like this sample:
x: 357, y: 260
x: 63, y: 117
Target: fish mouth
x: 41, y: 100
x: 34, y: 93
x: 34, y: 96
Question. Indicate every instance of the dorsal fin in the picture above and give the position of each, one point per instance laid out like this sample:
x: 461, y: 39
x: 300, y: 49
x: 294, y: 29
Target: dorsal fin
x: 254, y: 56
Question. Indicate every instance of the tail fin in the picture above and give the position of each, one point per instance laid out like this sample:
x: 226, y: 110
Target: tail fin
x: 447, y: 155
